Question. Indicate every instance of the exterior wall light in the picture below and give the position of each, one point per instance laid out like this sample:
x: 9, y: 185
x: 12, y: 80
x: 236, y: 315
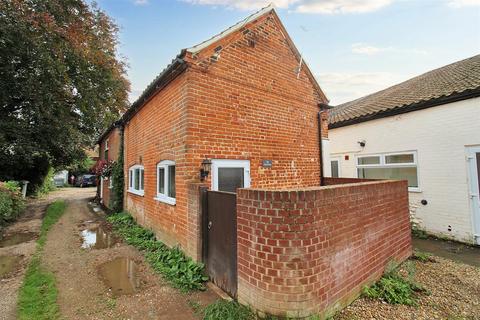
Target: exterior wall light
x: 205, y: 169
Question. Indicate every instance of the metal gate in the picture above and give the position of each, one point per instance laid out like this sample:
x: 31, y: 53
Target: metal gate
x: 220, y: 238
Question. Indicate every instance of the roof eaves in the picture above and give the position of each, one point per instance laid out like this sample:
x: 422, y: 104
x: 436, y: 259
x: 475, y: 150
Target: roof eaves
x: 175, y: 68
x: 454, y: 97
x: 230, y: 30
x: 114, y: 125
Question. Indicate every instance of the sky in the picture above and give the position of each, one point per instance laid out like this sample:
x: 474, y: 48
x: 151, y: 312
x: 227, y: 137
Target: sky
x: 353, y: 47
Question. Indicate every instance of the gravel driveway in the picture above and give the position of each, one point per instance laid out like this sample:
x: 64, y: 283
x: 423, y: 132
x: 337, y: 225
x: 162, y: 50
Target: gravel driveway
x: 454, y: 294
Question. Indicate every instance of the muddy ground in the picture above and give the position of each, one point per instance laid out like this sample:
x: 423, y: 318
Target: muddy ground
x: 101, y: 278
x: 14, y: 257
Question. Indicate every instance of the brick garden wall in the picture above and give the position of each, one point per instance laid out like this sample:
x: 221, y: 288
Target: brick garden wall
x: 310, y: 251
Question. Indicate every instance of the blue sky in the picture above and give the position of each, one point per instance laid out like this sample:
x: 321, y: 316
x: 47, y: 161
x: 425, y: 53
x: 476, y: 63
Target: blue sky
x: 354, y: 47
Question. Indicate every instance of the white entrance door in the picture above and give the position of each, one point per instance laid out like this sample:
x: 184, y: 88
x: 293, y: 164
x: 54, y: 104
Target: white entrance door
x: 473, y: 156
x: 229, y: 175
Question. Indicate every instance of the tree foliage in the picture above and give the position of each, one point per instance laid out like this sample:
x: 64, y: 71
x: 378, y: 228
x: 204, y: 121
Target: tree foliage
x: 61, y: 83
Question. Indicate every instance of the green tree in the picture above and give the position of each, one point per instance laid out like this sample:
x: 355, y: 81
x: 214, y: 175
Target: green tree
x: 61, y: 83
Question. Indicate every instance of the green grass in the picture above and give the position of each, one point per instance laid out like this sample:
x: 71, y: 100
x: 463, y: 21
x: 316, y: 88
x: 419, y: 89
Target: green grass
x: 38, y: 295
x: 54, y: 212
x: 394, y: 288
x: 181, y: 271
x: 227, y: 310
x: 37, y: 298
x: 422, y: 256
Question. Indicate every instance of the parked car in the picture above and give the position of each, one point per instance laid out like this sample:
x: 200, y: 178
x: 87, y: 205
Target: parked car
x: 86, y: 180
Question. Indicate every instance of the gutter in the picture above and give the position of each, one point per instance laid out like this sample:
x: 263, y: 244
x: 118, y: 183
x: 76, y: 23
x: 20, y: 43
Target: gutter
x: 323, y: 107
x: 455, y: 97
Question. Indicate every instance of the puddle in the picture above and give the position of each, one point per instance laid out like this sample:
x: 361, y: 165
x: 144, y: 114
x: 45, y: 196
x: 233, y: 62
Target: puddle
x: 449, y: 250
x: 8, y: 264
x: 120, y: 276
x: 17, y: 238
x: 97, y: 238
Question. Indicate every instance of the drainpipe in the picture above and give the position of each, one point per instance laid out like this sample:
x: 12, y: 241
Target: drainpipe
x: 323, y: 107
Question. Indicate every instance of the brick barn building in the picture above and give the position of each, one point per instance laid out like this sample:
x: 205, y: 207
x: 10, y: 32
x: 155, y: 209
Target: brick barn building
x: 223, y: 157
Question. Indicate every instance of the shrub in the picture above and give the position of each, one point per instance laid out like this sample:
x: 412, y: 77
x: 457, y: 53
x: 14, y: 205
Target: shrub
x: 393, y: 288
x: 13, y: 186
x: 11, y: 202
x: 47, y: 184
x: 181, y: 271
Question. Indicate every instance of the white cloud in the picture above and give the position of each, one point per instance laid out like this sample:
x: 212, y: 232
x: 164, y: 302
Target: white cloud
x: 244, y: 4
x: 366, y: 49
x: 362, y: 48
x: 304, y: 6
x: 463, y: 3
x: 341, y: 6
x: 343, y: 87
x: 140, y: 2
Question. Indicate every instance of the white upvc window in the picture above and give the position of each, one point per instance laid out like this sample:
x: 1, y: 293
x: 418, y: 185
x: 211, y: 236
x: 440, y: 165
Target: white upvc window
x: 166, y: 182
x: 136, y: 176
x: 392, y: 166
x: 105, y: 152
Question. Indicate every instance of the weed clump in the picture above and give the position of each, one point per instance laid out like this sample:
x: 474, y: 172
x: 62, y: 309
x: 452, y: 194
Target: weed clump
x: 394, y: 288
x: 181, y: 271
x: 227, y: 310
x: 422, y: 256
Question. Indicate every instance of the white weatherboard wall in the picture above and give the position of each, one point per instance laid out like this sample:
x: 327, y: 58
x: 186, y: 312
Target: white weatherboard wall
x: 440, y: 136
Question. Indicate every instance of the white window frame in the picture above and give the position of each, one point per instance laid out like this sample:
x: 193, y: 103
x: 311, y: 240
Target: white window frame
x: 131, y: 180
x: 110, y: 182
x: 163, y: 197
x: 384, y: 164
x: 225, y: 163
x: 106, y: 145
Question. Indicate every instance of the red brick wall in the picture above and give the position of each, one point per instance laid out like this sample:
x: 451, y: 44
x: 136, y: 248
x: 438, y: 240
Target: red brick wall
x: 305, y: 252
x: 158, y: 132
x: 247, y: 105
x: 251, y: 105
x: 114, y: 141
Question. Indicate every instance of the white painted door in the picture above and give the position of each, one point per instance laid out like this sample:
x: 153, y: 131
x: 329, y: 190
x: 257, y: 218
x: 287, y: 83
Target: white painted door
x: 473, y: 157
x: 228, y: 175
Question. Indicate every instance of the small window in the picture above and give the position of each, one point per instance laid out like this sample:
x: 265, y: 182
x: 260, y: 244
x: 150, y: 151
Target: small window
x: 166, y: 182
x: 395, y: 166
x: 368, y: 160
x: 136, y: 177
x: 400, y: 158
x: 105, y: 152
x: 110, y: 182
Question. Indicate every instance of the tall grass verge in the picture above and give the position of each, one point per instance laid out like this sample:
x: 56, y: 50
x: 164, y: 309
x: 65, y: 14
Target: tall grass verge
x: 37, y: 298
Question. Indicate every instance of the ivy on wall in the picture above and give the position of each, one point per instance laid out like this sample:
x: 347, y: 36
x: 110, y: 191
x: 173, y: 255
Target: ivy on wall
x: 116, y: 199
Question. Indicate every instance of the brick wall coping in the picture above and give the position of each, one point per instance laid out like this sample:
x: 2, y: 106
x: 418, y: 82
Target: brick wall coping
x: 319, y: 188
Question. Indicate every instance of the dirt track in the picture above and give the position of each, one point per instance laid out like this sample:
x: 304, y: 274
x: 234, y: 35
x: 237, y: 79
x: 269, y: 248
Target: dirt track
x: 83, y: 294
x: 30, y: 221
